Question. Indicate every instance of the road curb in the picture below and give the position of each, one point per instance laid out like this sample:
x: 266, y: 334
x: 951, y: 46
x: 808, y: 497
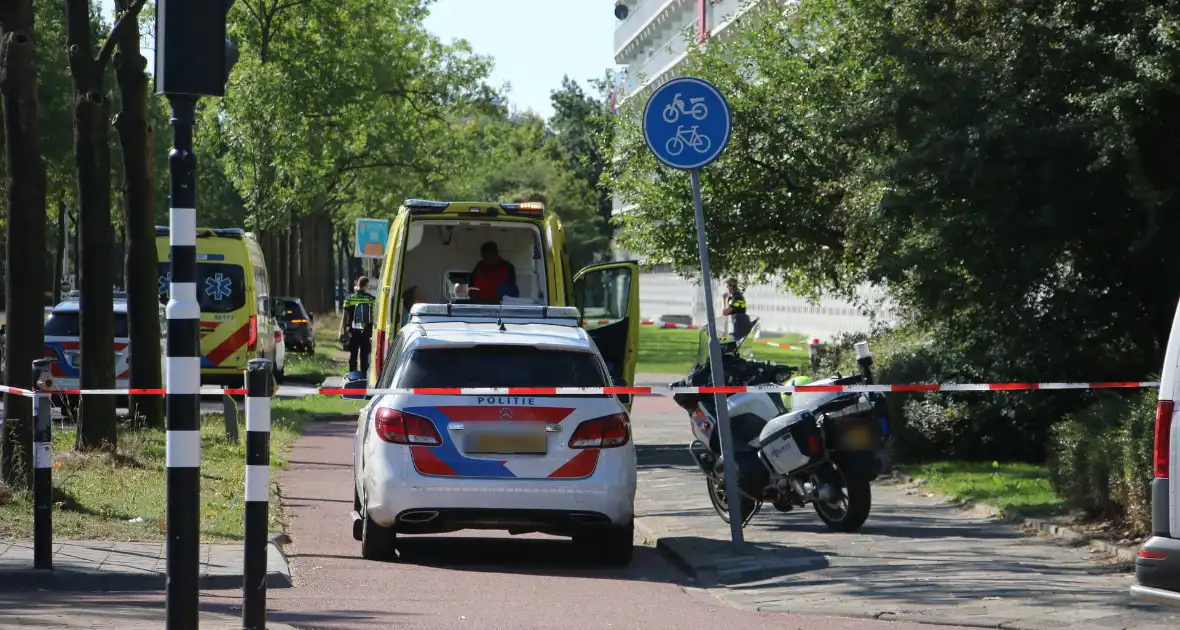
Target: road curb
x: 710, y: 569
x: 1062, y: 532
x: 278, y: 575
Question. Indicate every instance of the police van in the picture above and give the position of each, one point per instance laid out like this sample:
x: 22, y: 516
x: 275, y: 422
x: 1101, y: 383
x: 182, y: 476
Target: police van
x: 434, y: 247
x: 237, y: 323
x: 1157, y: 569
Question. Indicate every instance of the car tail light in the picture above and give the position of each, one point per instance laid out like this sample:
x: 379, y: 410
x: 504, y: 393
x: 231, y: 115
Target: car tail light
x: 397, y: 427
x: 1163, y: 437
x: 278, y: 336
x: 252, y: 344
x: 606, y: 432
x: 298, y: 321
x: 378, y: 360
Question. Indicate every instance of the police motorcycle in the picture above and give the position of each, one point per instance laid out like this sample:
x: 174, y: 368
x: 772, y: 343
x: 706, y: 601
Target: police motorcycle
x: 791, y: 449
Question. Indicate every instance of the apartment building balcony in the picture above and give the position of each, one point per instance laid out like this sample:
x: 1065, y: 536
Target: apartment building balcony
x: 645, y: 22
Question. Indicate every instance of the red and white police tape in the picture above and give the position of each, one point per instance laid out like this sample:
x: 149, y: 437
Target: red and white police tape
x: 634, y: 391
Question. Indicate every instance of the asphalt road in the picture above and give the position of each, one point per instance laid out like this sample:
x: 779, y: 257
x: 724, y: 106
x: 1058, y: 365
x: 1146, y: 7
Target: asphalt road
x: 482, y: 581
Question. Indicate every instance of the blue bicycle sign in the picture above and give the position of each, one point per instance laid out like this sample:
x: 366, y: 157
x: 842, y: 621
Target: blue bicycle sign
x: 687, y: 123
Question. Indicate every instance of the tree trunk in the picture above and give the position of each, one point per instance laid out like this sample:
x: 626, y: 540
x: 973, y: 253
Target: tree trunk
x: 97, y: 428
x: 324, y: 236
x: 26, y: 234
x: 59, y: 263
x: 142, y: 263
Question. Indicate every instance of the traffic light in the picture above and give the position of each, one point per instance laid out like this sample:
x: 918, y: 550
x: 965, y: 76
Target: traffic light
x: 193, y: 56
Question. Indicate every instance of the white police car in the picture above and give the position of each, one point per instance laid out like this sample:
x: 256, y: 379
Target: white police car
x: 63, y: 341
x: 435, y: 461
x: 1157, y: 569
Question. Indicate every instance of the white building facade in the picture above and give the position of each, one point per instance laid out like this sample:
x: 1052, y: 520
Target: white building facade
x: 651, y: 40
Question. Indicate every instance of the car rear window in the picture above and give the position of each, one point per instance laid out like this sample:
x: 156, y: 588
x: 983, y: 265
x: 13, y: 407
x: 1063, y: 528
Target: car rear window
x: 70, y: 325
x: 499, y: 366
x: 290, y: 309
x: 221, y: 287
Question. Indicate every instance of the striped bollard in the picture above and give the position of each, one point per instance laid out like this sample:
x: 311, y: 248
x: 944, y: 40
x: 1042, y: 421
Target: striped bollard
x: 42, y: 466
x: 183, y: 381
x: 259, y: 389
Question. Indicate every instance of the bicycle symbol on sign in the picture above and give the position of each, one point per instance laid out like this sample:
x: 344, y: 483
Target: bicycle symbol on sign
x: 687, y: 136
x: 673, y: 110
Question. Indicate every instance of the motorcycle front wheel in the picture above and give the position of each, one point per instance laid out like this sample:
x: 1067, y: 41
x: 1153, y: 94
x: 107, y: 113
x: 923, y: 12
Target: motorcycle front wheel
x: 717, y: 496
x: 849, y: 509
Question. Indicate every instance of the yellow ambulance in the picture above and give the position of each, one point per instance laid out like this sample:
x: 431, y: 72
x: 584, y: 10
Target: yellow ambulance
x: 233, y: 290
x: 433, y: 249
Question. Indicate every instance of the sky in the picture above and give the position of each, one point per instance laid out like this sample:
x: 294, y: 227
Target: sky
x: 533, y: 42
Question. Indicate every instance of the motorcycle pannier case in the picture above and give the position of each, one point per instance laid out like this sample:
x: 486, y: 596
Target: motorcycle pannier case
x: 791, y: 441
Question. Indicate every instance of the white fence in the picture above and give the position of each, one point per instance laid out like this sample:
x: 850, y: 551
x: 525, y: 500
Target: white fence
x: 668, y: 295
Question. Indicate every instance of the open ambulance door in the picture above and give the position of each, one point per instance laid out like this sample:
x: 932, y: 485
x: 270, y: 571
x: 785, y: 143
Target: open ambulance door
x: 610, y: 292
x: 389, y: 295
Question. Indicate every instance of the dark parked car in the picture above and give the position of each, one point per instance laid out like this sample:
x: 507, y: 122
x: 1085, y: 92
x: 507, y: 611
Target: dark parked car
x: 296, y: 323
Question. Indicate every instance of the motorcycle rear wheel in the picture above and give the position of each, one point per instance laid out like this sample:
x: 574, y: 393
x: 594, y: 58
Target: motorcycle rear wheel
x: 851, y: 508
x: 717, y: 497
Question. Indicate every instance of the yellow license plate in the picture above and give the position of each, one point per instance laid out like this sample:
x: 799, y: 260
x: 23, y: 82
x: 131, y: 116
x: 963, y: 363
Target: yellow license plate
x: 526, y: 443
x: 858, y: 438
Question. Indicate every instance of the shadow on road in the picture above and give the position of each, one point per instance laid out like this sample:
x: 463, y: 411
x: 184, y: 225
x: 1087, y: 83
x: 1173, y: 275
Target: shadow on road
x: 553, y: 557
x: 651, y: 456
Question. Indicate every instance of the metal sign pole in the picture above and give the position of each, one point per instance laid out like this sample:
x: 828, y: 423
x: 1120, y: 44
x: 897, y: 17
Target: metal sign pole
x: 687, y: 124
x: 732, y: 497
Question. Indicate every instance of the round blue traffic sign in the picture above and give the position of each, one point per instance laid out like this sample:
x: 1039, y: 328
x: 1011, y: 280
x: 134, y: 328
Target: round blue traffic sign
x: 687, y: 123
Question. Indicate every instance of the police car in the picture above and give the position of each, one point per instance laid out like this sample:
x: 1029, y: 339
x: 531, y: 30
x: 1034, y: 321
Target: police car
x: 1157, y: 569
x: 63, y: 344
x: 428, y: 463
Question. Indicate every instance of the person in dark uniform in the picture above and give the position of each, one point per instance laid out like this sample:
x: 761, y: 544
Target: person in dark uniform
x: 735, y: 308
x: 356, y: 326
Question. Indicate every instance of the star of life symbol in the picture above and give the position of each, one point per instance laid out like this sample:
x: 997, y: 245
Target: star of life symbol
x: 163, y: 281
x: 217, y: 287
x: 505, y: 414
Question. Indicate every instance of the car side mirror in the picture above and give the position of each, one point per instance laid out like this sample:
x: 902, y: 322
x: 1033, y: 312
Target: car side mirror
x: 310, y: 318
x: 361, y: 385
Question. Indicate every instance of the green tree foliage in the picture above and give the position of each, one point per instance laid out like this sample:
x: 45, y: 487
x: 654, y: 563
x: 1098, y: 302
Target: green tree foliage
x: 337, y: 104
x: 508, y: 156
x: 1003, y: 168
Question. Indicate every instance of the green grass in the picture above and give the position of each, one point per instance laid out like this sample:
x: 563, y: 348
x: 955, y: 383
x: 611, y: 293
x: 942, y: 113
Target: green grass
x: 97, y: 496
x: 673, y: 351
x: 313, y: 367
x: 318, y: 406
x: 1017, y: 490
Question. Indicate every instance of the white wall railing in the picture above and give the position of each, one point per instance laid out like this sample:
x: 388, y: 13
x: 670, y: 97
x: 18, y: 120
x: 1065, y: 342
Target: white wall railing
x: 668, y: 294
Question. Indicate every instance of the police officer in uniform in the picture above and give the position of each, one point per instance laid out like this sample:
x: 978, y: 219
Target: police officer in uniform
x: 736, y: 309
x: 358, y: 322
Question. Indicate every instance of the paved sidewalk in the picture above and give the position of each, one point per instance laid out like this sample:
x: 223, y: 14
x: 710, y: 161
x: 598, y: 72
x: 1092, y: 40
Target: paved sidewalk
x: 137, y: 611
x: 915, y: 560
x: 93, y: 565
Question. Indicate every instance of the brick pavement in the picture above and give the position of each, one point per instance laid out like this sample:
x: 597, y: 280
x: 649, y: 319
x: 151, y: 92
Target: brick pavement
x: 916, y: 559
x: 130, y: 611
x: 125, y: 566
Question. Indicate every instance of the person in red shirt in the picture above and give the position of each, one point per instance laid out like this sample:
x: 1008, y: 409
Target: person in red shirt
x: 493, y: 277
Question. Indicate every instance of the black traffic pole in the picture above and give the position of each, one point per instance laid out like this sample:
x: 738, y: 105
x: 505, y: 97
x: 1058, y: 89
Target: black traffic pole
x: 42, y: 466
x: 193, y: 59
x: 259, y: 389
x: 183, y: 398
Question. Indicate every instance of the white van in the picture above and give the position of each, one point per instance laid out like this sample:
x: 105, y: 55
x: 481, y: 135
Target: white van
x: 1157, y: 569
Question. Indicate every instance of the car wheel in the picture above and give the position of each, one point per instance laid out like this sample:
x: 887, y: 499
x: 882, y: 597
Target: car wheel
x: 615, y: 547
x: 377, y: 543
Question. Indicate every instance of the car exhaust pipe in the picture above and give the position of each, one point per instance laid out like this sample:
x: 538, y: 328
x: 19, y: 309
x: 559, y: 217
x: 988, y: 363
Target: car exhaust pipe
x: 422, y: 516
